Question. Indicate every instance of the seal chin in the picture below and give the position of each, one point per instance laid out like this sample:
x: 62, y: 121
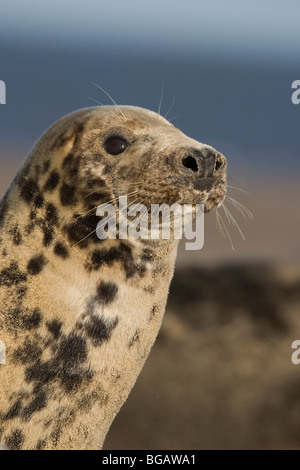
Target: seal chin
x: 214, y: 201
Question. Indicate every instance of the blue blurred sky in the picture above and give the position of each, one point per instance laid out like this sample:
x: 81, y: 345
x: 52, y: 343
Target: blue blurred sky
x: 261, y: 29
x: 230, y: 65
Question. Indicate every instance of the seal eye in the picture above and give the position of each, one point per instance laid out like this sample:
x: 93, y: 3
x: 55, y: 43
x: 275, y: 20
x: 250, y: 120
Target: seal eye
x: 115, y: 145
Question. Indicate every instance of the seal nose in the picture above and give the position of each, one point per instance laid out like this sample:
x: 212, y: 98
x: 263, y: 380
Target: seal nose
x: 204, y: 164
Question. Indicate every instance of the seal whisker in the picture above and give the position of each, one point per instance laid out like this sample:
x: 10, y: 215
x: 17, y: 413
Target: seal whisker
x: 240, y: 207
x: 96, y: 101
x: 98, y: 226
x: 172, y: 104
x: 134, y: 202
x: 115, y: 200
x: 239, y: 189
x: 84, y: 238
x: 161, y: 97
x: 223, y: 230
x: 112, y: 100
x: 173, y: 118
x: 89, y: 194
x: 232, y: 220
x: 101, y: 104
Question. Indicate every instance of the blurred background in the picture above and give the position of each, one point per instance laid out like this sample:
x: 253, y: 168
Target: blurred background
x: 220, y: 374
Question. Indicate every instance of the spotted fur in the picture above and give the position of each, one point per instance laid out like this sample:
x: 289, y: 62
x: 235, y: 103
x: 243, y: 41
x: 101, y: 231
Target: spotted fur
x: 79, y: 315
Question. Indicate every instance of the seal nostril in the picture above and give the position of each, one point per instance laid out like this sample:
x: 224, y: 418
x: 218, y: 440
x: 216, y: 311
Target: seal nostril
x: 190, y: 162
x: 218, y: 163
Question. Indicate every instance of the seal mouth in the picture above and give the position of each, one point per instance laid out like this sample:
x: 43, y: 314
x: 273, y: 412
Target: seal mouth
x: 215, y: 199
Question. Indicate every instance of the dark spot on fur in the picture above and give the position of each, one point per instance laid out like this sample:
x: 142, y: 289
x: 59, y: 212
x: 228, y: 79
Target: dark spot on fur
x: 30, y: 321
x: 3, y: 209
x: 55, y: 435
x: 33, y: 320
x: 16, y: 235
x: 106, y: 292
x: 99, y: 329
x: 12, y: 275
x: 154, y: 311
x: 92, y: 198
x: 61, y: 250
x: 41, y: 444
x: 52, y: 181
x: 78, y: 132
x: 107, y: 169
x: 37, y: 403
x: 73, y: 350
x: 134, y: 339
x: 68, y: 160
x: 65, y: 366
x: 67, y: 195
x: 101, y: 187
x: 29, y: 228
x: 14, y: 411
x: 44, y: 224
x: 48, y: 235
x: 23, y: 318
x: 21, y: 292
x: 36, y: 264
x: 28, y: 353
x: 32, y: 216
x: 99, y: 182
x: 71, y: 381
x: 148, y: 254
x: 71, y: 165
x: 55, y: 328
x: 15, y: 440
x: 29, y: 190
x: 46, y: 166
x: 122, y: 253
x: 39, y: 201
x: 62, y: 139
x: 31, y: 222
x: 86, y: 402
x: 41, y: 372
x: 106, y: 257
x: 51, y: 214
x: 83, y: 230
x: 149, y: 289
x: 48, y: 422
